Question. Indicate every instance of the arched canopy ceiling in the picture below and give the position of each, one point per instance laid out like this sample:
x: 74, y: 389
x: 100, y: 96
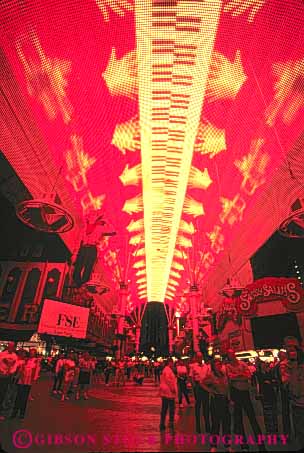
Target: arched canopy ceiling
x: 173, y: 117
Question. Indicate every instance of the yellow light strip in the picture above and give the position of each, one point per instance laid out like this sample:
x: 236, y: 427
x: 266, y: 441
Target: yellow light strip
x: 168, y: 129
x: 143, y: 17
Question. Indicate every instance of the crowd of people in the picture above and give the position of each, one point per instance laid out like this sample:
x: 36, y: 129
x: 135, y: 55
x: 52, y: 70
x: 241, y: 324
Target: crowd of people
x: 222, y: 386
x: 21, y: 369
x: 73, y: 375
x: 118, y: 372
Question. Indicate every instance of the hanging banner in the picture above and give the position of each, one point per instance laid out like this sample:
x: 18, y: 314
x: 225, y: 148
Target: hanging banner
x: 62, y: 319
x: 287, y: 290
x: 227, y: 311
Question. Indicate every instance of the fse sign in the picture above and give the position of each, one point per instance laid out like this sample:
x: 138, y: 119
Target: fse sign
x: 66, y: 320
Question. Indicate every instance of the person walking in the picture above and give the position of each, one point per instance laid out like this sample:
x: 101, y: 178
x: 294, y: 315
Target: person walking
x: 69, y: 366
x: 280, y: 373
x: 182, y: 376
x: 8, y: 367
x: 198, y: 372
x: 157, y: 372
x: 268, y: 394
x: 120, y: 373
x: 58, y: 375
x: 26, y: 377
x: 217, y: 384
x: 35, y: 362
x: 168, y: 393
x: 293, y: 379
x: 108, y: 370
x: 86, y: 367
x: 239, y: 378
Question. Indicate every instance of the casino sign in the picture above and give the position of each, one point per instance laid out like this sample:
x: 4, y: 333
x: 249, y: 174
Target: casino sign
x: 287, y: 290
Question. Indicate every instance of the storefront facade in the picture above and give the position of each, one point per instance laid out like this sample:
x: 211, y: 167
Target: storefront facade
x: 262, y: 318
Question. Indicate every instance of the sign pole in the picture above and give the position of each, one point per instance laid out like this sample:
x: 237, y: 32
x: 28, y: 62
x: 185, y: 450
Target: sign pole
x: 194, y: 294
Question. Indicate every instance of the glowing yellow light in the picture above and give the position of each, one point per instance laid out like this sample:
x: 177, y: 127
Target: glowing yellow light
x: 135, y: 226
x: 88, y: 201
x: 141, y: 272
x: 140, y: 252
x: 193, y: 207
x: 178, y: 266
x: 131, y: 176
x: 253, y: 167
x: 217, y: 239
x: 225, y: 78
x: 139, y: 264
x: 184, y: 227
x: 238, y: 7
x: 199, y: 179
x: 232, y: 210
x: 179, y: 253
x: 46, y: 79
x: 171, y: 288
x: 289, y: 96
x: 78, y: 163
x: 142, y: 286
x: 168, y: 125
x: 175, y: 274
x: 127, y: 136
x: 140, y: 280
x: 183, y: 241
x: 133, y: 205
x: 207, y: 259
x: 135, y: 240
x: 142, y: 296
x: 119, y: 7
x: 121, y: 75
x: 210, y: 139
x: 173, y: 282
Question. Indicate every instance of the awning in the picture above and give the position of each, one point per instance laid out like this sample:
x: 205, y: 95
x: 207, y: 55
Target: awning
x: 15, y: 335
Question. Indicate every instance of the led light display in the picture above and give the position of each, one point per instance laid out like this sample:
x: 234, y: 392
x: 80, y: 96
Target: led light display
x: 171, y: 118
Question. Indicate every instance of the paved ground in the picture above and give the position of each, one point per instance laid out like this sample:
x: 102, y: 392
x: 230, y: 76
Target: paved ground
x: 112, y: 420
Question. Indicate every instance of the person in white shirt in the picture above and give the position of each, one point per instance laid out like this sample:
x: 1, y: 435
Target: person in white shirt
x: 198, y: 372
x: 86, y: 367
x: 120, y: 373
x: 26, y: 376
x: 69, y: 366
x: 8, y: 367
x: 58, y: 375
x: 168, y: 393
x: 217, y: 384
x: 35, y: 363
x: 239, y: 377
x: 182, y: 376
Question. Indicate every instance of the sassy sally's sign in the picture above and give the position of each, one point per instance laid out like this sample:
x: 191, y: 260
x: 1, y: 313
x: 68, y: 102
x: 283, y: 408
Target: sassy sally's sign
x: 287, y: 290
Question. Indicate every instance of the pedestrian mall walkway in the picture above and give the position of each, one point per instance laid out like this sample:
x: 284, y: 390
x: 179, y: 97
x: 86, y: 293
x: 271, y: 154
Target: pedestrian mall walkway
x: 113, y: 419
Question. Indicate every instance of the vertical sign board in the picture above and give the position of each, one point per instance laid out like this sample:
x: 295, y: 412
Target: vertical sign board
x: 66, y: 320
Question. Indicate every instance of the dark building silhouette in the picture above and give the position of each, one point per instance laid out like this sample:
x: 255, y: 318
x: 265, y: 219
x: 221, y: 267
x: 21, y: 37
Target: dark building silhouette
x: 154, y: 331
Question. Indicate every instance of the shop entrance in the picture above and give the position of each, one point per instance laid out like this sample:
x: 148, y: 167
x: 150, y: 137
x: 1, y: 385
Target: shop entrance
x: 270, y: 331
